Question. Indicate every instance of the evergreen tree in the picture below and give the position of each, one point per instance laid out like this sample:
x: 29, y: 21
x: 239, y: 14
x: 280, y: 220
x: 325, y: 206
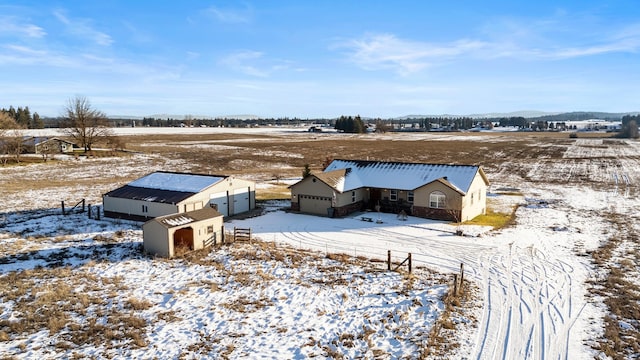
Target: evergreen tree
x: 36, y: 121
x: 23, y: 117
x: 306, y: 171
x: 630, y: 126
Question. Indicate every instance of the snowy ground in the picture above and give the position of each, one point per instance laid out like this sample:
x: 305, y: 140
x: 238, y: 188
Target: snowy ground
x: 533, y: 282
x: 533, y: 277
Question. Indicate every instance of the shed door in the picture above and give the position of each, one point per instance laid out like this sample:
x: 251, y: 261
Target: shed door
x: 240, y: 200
x: 220, y: 202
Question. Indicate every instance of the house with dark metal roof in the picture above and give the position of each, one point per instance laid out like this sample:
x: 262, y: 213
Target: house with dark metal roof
x: 435, y: 191
x: 163, y: 193
x: 47, y: 145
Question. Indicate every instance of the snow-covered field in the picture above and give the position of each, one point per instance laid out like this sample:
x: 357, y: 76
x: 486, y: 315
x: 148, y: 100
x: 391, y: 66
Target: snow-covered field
x: 250, y: 301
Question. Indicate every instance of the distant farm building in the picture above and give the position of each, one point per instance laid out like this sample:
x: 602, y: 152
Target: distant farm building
x: 164, y: 193
x: 43, y: 145
x: 434, y: 191
x: 171, y: 235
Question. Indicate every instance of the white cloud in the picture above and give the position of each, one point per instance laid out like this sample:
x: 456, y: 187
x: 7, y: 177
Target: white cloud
x: 241, y: 61
x: 12, y: 25
x: 405, y: 57
x: 561, y: 36
x: 232, y: 16
x: 386, y: 51
x: 82, y: 29
x: 253, y: 63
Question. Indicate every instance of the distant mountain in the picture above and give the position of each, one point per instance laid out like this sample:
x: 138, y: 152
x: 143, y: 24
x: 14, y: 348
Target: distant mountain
x: 533, y: 114
x: 523, y: 113
x: 129, y: 117
x: 529, y: 114
x: 585, y: 115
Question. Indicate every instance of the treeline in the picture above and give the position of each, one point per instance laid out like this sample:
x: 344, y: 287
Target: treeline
x: 23, y: 117
x: 630, y: 126
x: 219, y: 122
x: 350, y: 124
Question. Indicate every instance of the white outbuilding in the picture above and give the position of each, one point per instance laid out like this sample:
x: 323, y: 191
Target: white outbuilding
x: 163, y: 193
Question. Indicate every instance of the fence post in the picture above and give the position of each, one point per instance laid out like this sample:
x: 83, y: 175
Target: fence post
x: 98, y: 212
x: 461, y: 274
x: 455, y: 284
x: 82, y: 205
x: 89, y: 211
x: 389, y: 260
x: 409, y: 257
x: 63, y: 208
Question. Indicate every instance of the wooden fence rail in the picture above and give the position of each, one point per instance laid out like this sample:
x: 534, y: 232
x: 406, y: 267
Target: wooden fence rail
x: 407, y: 261
x: 65, y: 211
x: 241, y: 234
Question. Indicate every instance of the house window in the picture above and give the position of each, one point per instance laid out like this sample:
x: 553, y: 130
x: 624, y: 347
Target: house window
x: 145, y: 208
x: 393, y: 195
x: 209, y: 229
x: 353, y: 196
x: 437, y: 200
x: 410, y: 196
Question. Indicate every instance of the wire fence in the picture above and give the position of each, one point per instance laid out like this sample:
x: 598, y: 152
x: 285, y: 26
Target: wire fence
x: 376, y: 253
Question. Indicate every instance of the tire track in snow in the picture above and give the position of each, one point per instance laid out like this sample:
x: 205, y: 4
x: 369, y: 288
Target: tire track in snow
x: 528, y: 311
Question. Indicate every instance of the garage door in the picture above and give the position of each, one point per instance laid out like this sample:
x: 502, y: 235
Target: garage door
x: 220, y: 202
x: 314, y: 204
x: 240, y: 200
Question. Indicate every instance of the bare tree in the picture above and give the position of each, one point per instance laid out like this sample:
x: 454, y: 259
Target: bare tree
x: 6, y: 123
x: 47, y: 151
x: 115, y: 143
x: 85, y: 124
x: 381, y: 126
x: 455, y: 213
x: 11, y: 138
x: 15, y: 143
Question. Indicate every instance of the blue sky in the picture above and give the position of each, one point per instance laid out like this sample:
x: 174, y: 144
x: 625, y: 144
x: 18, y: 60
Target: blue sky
x: 320, y: 58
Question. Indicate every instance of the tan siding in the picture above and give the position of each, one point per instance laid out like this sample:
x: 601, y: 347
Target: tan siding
x: 313, y: 197
x: 478, y: 189
x: 347, y: 197
x: 158, y: 240
x: 155, y: 239
x: 421, y: 195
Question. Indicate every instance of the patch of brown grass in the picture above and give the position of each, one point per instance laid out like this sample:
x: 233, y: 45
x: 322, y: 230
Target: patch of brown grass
x: 51, y: 298
x: 621, y: 296
x: 441, y: 340
x: 138, y: 304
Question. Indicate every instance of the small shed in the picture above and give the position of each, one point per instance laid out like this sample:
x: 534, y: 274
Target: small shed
x: 170, y: 235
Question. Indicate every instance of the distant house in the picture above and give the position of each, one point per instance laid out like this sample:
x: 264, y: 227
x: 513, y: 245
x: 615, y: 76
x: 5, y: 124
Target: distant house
x: 43, y: 145
x: 434, y: 191
x: 170, y: 235
x: 163, y: 193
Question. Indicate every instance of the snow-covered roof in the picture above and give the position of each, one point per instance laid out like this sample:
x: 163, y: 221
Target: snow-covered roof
x: 180, y: 219
x: 346, y: 175
x: 183, y: 182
